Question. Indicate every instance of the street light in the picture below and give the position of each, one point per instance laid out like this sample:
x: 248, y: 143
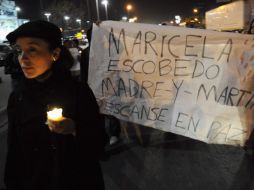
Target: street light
x: 79, y: 21
x: 97, y: 10
x: 47, y: 15
x: 66, y: 18
x: 195, y: 10
x: 129, y: 8
x: 105, y: 3
x: 18, y: 9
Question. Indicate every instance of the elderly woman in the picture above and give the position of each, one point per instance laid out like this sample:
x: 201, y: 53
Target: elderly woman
x: 45, y: 154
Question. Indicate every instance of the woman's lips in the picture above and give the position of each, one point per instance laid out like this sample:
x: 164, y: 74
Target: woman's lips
x: 27, y: 69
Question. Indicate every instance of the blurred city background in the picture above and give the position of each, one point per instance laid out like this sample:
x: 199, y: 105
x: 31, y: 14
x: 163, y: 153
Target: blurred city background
x: 75, y: 16
x: 154, y: 160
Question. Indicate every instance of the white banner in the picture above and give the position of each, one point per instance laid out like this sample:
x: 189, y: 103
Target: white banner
x: 192, y: 82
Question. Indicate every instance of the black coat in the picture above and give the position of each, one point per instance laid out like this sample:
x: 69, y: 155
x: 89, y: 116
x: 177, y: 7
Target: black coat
x: 38, y: 159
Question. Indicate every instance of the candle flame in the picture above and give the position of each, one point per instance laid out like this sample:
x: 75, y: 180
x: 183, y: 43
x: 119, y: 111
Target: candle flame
x: 55, y: 114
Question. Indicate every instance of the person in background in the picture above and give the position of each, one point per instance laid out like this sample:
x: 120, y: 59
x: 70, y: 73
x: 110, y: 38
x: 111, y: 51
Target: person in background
x: 75, y: 43
x: 12, y: 67
x: 51, y: 153
x: 4, y: 51
x: 245, y: 74
x: 75, y: 69
x: 84, y: 60
x: 112, y: 124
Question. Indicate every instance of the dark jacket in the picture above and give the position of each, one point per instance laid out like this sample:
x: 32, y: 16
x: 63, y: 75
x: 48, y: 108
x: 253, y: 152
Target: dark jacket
x: 38, y: 159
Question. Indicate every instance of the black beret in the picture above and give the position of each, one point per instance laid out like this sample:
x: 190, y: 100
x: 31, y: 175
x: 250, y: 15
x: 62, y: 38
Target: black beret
x: 38, y: 29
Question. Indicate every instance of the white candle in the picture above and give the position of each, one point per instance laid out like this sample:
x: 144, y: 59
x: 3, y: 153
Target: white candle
x: 55, y: 114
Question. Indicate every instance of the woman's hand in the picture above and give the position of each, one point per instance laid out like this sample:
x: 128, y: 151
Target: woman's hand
x: 65, y: 126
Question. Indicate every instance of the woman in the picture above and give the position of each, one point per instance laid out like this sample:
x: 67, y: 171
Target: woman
x: 44, y: 154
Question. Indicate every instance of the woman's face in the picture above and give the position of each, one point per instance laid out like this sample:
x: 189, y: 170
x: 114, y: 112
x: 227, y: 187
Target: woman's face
x: 35, y: 58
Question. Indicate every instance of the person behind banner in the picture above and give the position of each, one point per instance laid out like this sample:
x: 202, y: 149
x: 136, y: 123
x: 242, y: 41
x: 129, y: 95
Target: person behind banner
x: 246, y: 75
x: 75, y: 69
x: 112, y: 124
x: 52, y: 118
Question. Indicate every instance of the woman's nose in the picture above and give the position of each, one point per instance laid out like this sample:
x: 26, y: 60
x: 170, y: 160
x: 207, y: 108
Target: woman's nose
x: 23, y: 55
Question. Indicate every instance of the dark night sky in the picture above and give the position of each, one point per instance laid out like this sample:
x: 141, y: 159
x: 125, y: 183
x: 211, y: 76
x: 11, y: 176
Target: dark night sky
x: 148, y: 11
